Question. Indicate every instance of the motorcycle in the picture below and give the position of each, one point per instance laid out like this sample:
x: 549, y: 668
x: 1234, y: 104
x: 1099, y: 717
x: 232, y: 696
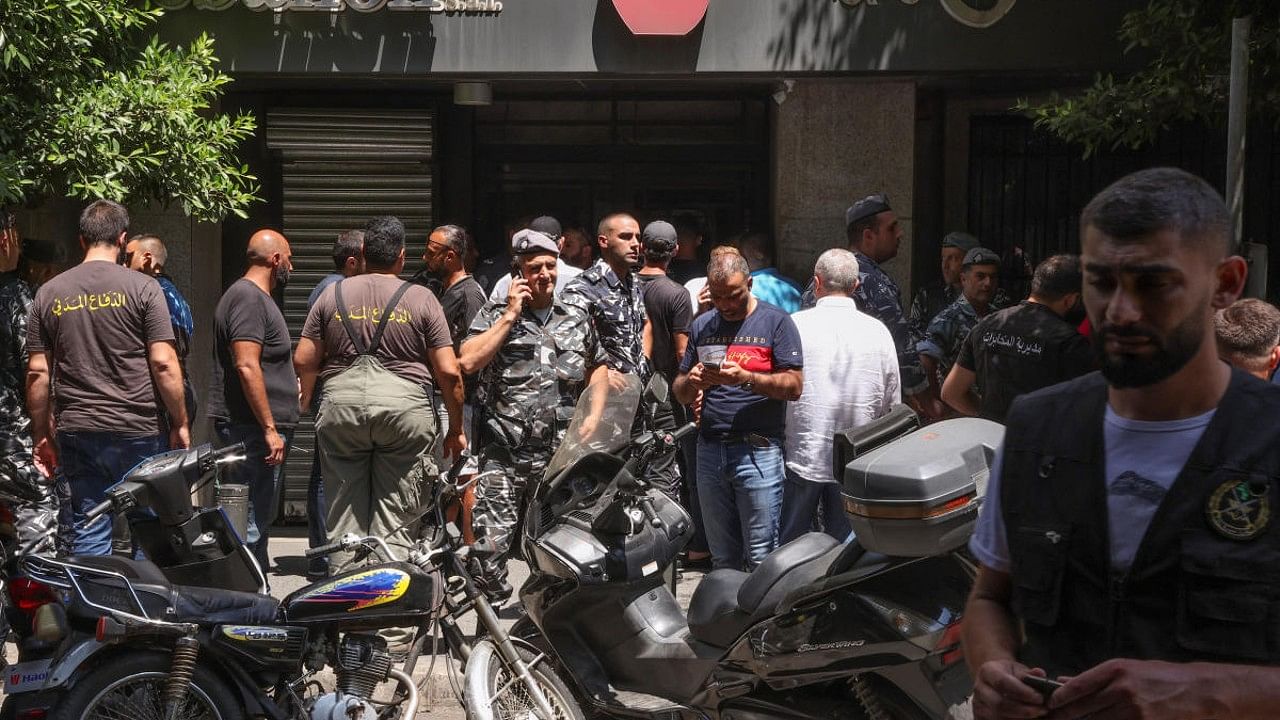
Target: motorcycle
x: 821, y: 629
x: 189, y: 633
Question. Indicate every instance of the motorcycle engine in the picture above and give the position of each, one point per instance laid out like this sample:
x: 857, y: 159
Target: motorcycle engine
x: 363, y: 663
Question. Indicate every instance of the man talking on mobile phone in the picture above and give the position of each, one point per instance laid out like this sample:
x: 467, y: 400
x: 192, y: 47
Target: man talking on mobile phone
x: 1128, y: 546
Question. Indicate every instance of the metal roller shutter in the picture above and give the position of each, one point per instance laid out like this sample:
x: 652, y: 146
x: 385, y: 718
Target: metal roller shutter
x: 338, y: 168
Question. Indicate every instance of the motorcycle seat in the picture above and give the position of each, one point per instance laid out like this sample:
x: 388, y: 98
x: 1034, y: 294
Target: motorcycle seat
x: 201, y: 605
x: 727, y: 602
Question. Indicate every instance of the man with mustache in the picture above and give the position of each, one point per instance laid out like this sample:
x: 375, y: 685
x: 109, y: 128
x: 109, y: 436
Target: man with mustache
x: 1127, y: 547
x: 253, y: 391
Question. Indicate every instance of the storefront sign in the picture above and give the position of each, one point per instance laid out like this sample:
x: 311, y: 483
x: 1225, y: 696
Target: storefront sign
x: 963, y: 11
x: 661, y: 17
x: 470, y: 7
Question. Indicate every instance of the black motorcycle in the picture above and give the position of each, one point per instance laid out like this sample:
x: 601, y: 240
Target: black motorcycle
x: 187, y: 634
x: 819, y: 630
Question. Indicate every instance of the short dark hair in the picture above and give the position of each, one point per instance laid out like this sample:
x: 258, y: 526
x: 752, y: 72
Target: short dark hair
x: 456, y: 238
x: 348, y: 245
x: 102, y: 222
x: 757, y: 243
x: 1247, y: 330
x: 1150, y: 201
x: 855, y: 229
x: 1057, y: 277
x: 383, y: 241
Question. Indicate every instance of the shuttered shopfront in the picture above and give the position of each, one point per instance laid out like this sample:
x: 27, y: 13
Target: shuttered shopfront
x: 338, y: 168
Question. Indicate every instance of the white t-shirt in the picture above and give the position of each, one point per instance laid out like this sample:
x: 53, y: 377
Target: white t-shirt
x: 850, y: 378
x: 1143, y: 459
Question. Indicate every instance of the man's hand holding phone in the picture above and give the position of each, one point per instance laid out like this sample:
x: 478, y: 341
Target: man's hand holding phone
x: 518, y: 294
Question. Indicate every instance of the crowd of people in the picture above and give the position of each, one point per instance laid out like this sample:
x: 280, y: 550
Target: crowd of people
x: 406, y: 374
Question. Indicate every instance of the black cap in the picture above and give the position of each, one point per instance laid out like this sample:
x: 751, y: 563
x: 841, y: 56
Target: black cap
x: 44, y: 251
x: 865, y: 208
x: 548, y: 226
x: 659, y: 237
x: 532, y: 241
x: 981, y: 256
x: 963, y: 241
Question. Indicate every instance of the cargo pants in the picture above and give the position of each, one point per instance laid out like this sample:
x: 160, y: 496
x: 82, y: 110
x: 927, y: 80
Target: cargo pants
x: 374, y: 433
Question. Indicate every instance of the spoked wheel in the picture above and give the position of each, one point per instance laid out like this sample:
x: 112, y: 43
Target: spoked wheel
x: 491, y: 694
x: 131, y: 687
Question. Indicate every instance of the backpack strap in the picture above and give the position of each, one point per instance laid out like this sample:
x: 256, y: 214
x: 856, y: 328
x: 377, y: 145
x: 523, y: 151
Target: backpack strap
x: 382, y: 321
x: 352, y: 335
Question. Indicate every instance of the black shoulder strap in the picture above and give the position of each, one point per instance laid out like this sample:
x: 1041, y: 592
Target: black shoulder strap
x: 386, y: 312
x: 352, y: 335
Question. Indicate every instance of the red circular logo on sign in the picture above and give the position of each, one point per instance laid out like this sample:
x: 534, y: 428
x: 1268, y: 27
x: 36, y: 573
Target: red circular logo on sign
x: 661, y: 17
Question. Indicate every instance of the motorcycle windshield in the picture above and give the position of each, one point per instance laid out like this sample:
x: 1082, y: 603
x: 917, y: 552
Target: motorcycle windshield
x: 601, y: 422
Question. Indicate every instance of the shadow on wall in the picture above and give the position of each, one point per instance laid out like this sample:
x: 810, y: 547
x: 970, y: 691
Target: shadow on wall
x: 616, y: 49
x: 827, y: 35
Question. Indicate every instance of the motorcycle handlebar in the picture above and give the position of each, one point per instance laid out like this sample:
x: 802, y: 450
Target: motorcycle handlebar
x: 230, y: 453
x: 98, y: 511
x: 312, y: 553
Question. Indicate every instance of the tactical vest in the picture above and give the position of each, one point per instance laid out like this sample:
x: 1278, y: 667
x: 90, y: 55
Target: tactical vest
x: 1205, y: 583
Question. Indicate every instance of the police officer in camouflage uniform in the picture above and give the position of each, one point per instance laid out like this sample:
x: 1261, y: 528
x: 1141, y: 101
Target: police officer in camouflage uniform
x: 874, y: 235
x: 933, y: 299
x: 945, y: 337
x: 610, y: 295
x: 534, y: 355
x: 28, y: 491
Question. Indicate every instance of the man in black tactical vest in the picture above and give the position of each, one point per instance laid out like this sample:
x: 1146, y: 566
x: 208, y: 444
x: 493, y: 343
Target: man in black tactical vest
x: 1127, y: 546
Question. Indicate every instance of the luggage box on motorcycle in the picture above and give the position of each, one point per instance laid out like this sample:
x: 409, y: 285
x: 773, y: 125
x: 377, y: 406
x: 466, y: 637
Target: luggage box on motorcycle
x: 916, y: 494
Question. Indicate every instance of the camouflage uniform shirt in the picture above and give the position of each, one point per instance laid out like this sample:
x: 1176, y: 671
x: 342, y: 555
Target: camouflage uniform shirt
x: 946, y: 334
x: 616, y: 309
x: 878, y: 296
x: 528, y: 391
x: 933, y: 299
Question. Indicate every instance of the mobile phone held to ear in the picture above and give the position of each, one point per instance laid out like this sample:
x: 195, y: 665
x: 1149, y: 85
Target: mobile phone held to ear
x: 1042, y: 685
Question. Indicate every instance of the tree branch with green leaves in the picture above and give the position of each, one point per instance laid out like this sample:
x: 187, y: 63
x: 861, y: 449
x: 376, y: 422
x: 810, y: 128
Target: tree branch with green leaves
x: 91, y: 108
x: 1187, y: 48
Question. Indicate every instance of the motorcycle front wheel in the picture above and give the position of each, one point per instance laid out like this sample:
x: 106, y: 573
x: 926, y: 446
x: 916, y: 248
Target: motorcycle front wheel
x: 131, y: 687
x: 486, y: 675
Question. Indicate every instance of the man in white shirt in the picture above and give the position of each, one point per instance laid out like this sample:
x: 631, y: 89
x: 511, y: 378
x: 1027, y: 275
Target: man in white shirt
x: 851, y: 378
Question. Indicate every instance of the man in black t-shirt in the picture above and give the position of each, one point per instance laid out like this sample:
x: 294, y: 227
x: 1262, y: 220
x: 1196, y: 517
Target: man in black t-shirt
x: 1023, y: 348
x: 253, y: 391
x: 670, y: 313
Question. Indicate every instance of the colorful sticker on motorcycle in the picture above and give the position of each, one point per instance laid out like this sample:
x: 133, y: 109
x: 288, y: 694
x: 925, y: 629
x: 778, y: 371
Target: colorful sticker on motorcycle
x: 367, y: 589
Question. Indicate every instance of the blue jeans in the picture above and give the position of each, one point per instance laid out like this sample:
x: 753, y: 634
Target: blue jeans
x: 263, y: 480
x: 92, y: 462
x: 800, y: 503
x: 740, y: 491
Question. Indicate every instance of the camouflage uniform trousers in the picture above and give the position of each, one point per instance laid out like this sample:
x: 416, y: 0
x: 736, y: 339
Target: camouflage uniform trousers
x: 500, y: 500
x: 31, y: 496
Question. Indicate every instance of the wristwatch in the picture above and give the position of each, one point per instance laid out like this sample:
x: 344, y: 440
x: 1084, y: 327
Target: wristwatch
x: 750, y: 385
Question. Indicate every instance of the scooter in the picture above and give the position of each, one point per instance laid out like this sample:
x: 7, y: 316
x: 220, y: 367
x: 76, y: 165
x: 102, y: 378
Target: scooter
x: 188, y: 633
x: 819, y: 630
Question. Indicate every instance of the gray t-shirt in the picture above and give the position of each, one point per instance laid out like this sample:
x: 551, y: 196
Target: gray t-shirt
x: 95, y: 323
x: 246, y: 313
x: 1143, y: 460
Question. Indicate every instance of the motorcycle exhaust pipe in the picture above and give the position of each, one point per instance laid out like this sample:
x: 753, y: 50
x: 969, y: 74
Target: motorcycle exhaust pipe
x: 411, y: 693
